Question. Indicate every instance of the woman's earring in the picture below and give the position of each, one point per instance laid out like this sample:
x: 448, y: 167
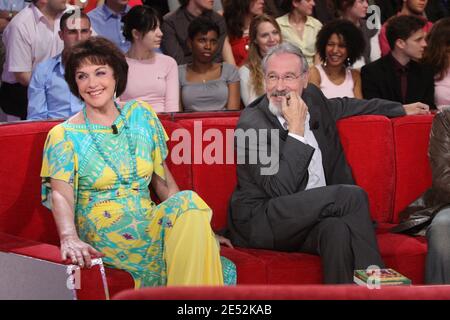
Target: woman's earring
x: 325, y: 62
x: 348, y: 62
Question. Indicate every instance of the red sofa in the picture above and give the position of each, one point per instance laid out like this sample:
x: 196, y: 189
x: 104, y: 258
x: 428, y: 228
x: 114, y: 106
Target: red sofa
x: 388, y: 158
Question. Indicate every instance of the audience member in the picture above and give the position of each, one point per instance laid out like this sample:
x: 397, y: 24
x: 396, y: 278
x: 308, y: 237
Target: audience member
x: 355, y: 11
x: 152, y: 76
x: 207, y: 85
x: 429, y: 214
x: 106, y: 21
x: 31, y: 37
x: 96, y: 173
x: 398, y: 76
x: 339, y: 44
x: 8, y: 9
x: 238, y: 15
x: 175, y: 30
x: 414, y: 8
x: 48, y: 93
x: 299, y: 27
x: 175, y: 4
x: 303, y: 197
x: 265, y: 33
x: 437, y: 54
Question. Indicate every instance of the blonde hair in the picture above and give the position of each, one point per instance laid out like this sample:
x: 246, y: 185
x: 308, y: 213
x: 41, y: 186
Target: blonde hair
x: 254, y: 55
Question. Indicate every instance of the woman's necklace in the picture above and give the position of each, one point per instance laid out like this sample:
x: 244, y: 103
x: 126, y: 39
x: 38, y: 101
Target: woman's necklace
x: 109, y: 163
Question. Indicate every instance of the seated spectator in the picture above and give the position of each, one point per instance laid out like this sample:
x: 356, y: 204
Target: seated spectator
x: 299, y: 27
x: 96, y: 172
x: 29, y: 38
x: 207, y: 85
x: 429, y: 214
x: 8, y: 9
x: 106, y: 21
x: 398, y: 76
x: 49, y: 95
x: 265, y: 33
x: 355, y: 11
x: 437, y: 54
x: 414, y: 8
x: 175, y: 4
x: 152, y: 76
x: 238, y: 14
x: 175, y: 30
x: 339, y: 44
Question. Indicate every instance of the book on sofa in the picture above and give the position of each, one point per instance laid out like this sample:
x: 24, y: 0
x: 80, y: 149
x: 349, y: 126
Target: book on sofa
x: 373, y: 278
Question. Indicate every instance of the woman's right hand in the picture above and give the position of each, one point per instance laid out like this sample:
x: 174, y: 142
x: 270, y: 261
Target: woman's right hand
x: 79, y: 252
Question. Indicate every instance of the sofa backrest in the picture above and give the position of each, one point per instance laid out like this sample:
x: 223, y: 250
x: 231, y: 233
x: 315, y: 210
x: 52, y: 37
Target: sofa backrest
x: 21, y: 212
x: 388, y: 159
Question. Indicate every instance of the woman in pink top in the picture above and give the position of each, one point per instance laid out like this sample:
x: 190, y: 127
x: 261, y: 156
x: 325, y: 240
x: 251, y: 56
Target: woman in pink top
x: 152, y: 76
x: 339, y: 44
x: 437, y: 54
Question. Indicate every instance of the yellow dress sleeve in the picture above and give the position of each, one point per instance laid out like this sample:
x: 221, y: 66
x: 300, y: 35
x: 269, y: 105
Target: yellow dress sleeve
x: 59, y: 162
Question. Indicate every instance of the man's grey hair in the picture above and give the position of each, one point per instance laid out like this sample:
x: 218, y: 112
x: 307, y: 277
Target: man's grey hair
x: 286, y: 47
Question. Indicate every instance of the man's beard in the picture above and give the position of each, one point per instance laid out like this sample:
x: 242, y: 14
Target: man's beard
x: 274, y: 109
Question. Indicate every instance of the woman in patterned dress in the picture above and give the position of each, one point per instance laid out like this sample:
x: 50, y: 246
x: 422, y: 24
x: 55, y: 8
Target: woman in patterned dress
x: 96, y: 171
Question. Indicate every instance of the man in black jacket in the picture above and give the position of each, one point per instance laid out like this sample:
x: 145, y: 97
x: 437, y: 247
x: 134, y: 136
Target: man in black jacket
x: 398, y: 76
x: 304, y: 199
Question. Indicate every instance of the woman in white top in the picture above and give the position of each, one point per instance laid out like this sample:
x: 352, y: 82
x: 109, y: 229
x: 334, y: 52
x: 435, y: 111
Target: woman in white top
x: 152, y: 76
x: 264, y: 34
x: 339, y: 43
x: 299, y: 27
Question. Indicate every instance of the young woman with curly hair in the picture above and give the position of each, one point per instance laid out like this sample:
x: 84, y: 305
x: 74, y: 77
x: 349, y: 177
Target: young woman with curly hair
x: 339, y: 44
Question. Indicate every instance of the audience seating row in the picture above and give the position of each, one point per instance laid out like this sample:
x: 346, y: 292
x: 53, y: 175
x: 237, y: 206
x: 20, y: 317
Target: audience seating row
x: 388, y: 158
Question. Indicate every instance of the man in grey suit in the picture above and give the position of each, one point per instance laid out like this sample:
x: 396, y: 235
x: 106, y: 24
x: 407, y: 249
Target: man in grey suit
x: 309, y: 202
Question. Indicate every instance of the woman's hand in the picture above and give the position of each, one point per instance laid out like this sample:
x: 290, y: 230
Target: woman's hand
x: 78, y: 251
x: 225, y: 241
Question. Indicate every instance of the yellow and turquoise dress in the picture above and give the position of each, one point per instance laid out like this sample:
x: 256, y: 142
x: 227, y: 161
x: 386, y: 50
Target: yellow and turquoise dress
x: 166, y: 244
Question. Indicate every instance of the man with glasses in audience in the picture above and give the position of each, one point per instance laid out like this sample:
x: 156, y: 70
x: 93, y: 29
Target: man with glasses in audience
x: 308, y: 202
x: 49, y: 96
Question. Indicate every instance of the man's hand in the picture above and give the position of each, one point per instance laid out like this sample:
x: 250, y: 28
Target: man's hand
x: 294, y: 111
x: 225, y: 241
x: 416, y: 108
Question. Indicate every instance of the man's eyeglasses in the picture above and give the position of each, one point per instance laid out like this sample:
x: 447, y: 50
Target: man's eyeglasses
x: 287, y: 78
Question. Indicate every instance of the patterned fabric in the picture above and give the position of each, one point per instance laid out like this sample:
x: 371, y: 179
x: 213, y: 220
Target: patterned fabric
x: 120, y: 219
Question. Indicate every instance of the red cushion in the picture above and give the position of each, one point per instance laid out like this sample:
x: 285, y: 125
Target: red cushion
x: 250, y: 269
x: 176, y: 116
x: 214, y: 182
x: 289, y: 292
x: 369, y: 149
x: 413, y: 172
